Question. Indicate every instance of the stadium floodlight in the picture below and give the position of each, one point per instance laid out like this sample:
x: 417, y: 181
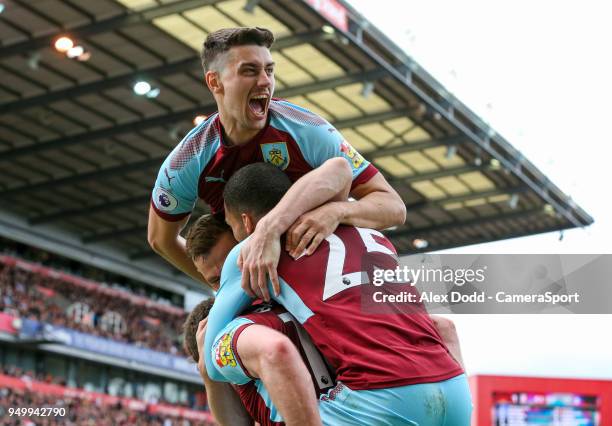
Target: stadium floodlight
x: 2, y: 7
x: 494, y: 164
x: 199, y: 119
x: 420, y: 243
x: 328, y: 29
x: 153, y: 93
x: 75, y: 51
x: 549, y: 209
x: 142, y: 88
x: 63, y: 44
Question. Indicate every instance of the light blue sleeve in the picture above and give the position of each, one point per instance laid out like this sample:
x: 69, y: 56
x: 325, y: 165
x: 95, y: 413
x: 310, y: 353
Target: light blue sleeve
x: 230, y: 301
x: 318, y: 139
x: 176, y: 188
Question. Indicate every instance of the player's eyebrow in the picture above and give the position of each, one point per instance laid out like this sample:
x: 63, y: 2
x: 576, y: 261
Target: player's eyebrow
x: 256, y: 64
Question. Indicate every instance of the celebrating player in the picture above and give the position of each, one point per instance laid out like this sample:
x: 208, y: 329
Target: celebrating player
x: 382, y: 361
x: 262, y: 345
x: 250, y: 127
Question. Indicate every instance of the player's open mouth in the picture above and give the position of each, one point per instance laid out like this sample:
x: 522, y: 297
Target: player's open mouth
x: 258, y: 105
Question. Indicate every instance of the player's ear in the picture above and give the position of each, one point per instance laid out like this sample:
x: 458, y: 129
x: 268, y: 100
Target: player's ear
x: 248, y: 224
x: 213, y: 81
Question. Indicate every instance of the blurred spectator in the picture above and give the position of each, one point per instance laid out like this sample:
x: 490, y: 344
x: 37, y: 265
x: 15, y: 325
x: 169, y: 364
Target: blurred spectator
x: 31, y: 295
x: 80, y: 412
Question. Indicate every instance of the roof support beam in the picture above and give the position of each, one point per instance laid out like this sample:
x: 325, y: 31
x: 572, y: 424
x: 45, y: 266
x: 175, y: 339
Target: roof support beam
x: 437, y: 174
x: 104, y: 25
x: 470, y: 222
x: 118, y: 233
x: 416, y: 146
x: 184, y: 65
x: 187, y: 114
x: 118, y: 170
x: 90, y: 209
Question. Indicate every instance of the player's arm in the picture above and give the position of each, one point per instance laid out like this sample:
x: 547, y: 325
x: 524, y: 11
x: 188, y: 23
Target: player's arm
x: 331, y: 181
x: 165, y: 239
x: 223, y: 400
x: 270, y: 356
x: 377, y: 206
x: 172, y: 200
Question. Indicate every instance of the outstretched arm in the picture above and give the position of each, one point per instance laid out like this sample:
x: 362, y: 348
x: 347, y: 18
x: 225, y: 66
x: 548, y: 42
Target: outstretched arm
x: 165, y: 239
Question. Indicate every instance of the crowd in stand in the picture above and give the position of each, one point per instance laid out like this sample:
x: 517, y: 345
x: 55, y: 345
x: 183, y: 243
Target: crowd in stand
x: 43, y: 298
x: 79, y: 412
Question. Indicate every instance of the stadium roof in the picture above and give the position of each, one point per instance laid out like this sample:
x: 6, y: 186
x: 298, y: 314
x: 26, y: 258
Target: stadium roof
x: 79, y: 150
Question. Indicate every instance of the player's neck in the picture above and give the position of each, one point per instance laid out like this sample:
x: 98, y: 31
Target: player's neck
x: 234, y: 134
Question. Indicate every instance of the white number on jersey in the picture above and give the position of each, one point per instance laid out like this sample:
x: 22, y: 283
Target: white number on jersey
x: 335, y: 281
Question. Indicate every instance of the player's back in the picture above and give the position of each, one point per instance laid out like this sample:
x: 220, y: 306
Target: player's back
x: 333, y: 299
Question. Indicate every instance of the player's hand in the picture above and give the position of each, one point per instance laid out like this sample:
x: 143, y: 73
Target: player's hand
x: 310, y: 229
x: 259, y: 257
x: 200, y: 333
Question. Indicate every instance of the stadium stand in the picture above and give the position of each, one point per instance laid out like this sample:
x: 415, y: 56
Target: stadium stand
x: 44, y: 294
x: 87, y: 408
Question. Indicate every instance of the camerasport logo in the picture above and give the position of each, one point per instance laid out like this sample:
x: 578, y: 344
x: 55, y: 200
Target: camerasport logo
x: 165, y: 201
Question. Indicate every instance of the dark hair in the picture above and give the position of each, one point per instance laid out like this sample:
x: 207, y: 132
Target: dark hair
x: 204, y: 234
x: 190, y: 327
x: 222, y: 40
x: 256, y: 189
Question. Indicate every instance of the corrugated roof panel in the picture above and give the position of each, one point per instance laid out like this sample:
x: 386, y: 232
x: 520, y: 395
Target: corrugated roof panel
x: 210, y: 19
x: 418, y: 162
x: 290, y: 73
x: 138, y: 4
x: 499, y: 198
x: 339, y: 107
x: 183, y: 30
x: 439, y: 155
x: 452, y: 185
x: 428, y: 189
x: 371, y: 104
x: 310, y: 58
x: 416, y: 135
x: 393, y: 166
x: 377, y: 133
x: 305, y: 103
x: 399, y: 125
x: 477, y: 181
x: 357, y: 141
x: 257, y: 18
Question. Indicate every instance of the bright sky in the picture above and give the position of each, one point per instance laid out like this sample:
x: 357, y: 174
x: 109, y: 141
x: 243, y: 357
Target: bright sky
x: 540, y: 72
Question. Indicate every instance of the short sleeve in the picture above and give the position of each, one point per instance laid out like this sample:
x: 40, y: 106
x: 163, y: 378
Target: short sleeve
x: 319, y: 141
x: 230, y: 301
x: 176, y: 188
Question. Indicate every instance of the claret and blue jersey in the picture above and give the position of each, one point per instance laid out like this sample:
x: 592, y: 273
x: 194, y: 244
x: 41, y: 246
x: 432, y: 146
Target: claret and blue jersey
x: 295, y: 140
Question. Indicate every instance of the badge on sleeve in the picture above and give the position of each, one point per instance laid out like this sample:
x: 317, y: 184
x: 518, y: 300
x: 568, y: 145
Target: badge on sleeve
x: 165, y: 201
x: 351, y: 154
x: 276, y: 153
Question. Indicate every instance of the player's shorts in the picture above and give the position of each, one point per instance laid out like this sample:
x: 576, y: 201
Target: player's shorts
x: 446, y: 403
x: 224, y: 354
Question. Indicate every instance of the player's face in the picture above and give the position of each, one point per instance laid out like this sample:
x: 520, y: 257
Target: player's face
x: 210, y: 265
x: 235, y: 222
x: 248, y: 84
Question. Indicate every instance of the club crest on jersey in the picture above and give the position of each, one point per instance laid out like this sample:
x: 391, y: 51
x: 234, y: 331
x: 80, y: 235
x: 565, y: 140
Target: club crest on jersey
x: 165, y: 201
x: 276, y: 153
x: 351, y: 154
x: 224, y: 355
